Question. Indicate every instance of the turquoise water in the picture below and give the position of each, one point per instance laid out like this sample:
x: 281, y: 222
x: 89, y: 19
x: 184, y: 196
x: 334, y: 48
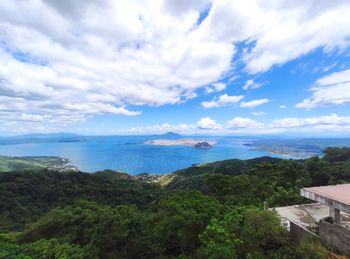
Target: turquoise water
x: 129, y: 154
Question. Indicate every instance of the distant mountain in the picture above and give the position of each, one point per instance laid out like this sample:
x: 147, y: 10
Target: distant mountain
x: 46, y: 135
x: 41, y: 138
x: 169, y: 135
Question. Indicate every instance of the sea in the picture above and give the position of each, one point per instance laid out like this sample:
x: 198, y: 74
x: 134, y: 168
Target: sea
x: 129, y: 153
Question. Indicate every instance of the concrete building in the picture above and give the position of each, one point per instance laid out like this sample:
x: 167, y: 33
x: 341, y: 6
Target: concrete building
x: 328, y: 219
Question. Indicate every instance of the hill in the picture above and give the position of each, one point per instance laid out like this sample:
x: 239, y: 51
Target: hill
x: 204, y: 211
x: 169, y: 135
x: 41, y: 138
x: 54, y: 163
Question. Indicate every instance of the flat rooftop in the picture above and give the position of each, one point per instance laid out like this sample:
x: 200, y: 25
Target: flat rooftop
x: 340, y: 192
x: 308, y: 215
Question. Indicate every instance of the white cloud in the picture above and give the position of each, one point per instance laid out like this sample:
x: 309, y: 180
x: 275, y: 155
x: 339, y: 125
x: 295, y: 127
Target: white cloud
x: 222, y: 101
x: 277, y: 39
x: 219, y: 86
x: 284, y: 39
x: 327, y: 68
x: 207, y: 124
x: 250, y: 84
x: 326, y: 124
x: 216, y: 87
x: 283, y: 106
x: 84, y: 58
x: 238, y: 123
x: 335, y: 78
x: 101, y: 57
x: 254, y: 103
x: 332, y: 89
x: 204, y: 125
x: 259, y: 113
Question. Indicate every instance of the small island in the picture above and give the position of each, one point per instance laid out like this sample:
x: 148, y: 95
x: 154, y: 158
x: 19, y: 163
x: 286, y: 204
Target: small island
x: 203, y: 144
x: 182, y: 142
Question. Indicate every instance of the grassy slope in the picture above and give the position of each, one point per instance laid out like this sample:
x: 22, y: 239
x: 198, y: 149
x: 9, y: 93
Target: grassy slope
x: 8, y: 163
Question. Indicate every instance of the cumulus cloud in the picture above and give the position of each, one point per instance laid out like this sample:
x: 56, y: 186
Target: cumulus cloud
x: 216, y: 87
x: 276, y: 39
x: 258, y: 113
x: 326, y: 124
x: 238, y: 123
x: 250, y: 84
x: 85, y: 58
x: 331, y: 89
x: 332, y: 119
x: 96, y: 57
x: 204, y: 125
x: 254, y: 103
x: 223, y: 100
x: 207, y: 124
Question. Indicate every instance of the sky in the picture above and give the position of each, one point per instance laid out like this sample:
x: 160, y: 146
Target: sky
x: 221, y: 67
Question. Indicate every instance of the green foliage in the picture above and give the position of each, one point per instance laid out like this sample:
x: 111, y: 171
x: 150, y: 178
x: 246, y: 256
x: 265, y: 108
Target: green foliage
x: 169, y: 227
x: 184, y: 178
x: 217, y: 241
x: 311, y: 250
x: 52, y: 248
x: 221, y: 238
x: 102, y: 230
x: 208, y: 211
x: 318, y: 169
x: 283, y: 196
x: 337, y: 154
x: 27, y: 195
x: 262, y: 231
x: 177, y: 220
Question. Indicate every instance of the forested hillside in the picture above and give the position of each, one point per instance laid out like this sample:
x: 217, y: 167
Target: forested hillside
x: 205, y: 211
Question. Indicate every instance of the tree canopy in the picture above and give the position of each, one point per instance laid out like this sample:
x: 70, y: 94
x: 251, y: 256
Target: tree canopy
x: 213, y: 211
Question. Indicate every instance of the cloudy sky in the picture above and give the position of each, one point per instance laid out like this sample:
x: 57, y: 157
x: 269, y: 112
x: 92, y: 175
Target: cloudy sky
x: 190, y: 66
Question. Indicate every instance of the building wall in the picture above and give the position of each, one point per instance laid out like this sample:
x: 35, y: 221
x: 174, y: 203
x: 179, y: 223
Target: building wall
x: 300, y: 234
x: 335, y: 237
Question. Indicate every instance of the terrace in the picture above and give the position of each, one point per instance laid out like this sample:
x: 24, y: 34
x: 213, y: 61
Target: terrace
x: 328, y: 219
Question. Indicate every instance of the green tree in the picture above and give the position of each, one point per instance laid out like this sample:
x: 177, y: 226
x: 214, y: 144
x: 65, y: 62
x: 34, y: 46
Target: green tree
x: 104, y: 231
x: 262, y: 232
x: 337, y: 154
x: 175, y: 222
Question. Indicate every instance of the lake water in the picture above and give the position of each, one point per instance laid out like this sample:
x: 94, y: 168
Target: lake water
x: 129, y: 154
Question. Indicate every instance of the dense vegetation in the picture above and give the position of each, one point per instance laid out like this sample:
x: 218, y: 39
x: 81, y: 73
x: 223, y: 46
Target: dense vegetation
x: 27, y: 195
x: 207, y: 211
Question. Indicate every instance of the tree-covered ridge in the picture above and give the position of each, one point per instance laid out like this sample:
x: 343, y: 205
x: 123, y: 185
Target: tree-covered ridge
x: 209, y: 211
x: 26, y: 195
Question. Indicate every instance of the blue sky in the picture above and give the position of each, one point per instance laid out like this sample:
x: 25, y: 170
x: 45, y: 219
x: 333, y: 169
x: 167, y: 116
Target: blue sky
x: 194, y: 67
x: 284, y: 86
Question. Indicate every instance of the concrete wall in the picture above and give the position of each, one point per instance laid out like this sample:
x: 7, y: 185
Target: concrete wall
x: 325, y: 200
x: 335, y: 237
x: 300, y: 234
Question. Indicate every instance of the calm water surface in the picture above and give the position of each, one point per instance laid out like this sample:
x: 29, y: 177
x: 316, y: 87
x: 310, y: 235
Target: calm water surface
x: 129, y: 154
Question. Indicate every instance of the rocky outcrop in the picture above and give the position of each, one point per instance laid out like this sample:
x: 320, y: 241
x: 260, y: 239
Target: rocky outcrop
x: 202, y: 145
